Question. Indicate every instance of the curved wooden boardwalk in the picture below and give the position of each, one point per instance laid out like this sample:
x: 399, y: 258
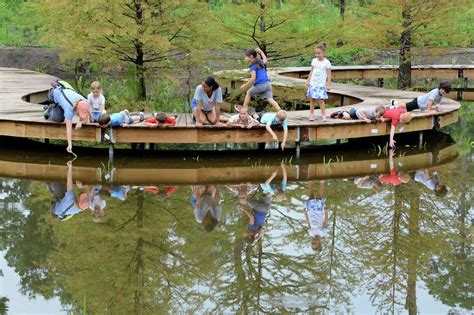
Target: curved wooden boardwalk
x: 21, y: 117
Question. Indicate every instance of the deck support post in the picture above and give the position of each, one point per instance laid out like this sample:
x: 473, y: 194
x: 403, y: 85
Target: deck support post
x: 298, y: 142
x: 464, y: 84
x: 46, y: 141
x: 420, y: 140
x: 261, y: 146
x: 298, y: 149
x: 111, y: 152
x: 111, y: 146
x: 380, y: 82
x: 151, y: 147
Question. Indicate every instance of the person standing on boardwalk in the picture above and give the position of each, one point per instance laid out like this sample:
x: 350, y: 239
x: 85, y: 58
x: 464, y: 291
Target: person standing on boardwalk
x: 67, y: 103
x: 258, y: 78
x: 206, y: 103
x: 319, y: 81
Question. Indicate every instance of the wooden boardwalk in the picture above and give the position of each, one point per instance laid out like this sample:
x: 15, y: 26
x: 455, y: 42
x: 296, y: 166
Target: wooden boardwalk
x: 21, y: 117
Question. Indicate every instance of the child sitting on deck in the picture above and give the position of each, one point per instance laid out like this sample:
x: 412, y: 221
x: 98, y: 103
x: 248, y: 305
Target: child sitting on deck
x: 161, y: 119
x: 396, y: 114
x: 122, y: 119
x: 96, y: 100
x: 366, y: 114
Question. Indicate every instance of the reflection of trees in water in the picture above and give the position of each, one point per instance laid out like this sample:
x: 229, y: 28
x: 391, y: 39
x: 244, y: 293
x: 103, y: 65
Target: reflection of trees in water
x: 150, y: 255
x: 451, y: 276
x: 27, y: 238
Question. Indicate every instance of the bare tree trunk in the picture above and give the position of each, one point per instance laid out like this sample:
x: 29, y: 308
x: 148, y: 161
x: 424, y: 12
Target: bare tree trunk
x: 140, y: 55
x: 263, y: 46
x: 404, y: 69
x: 342, y: 8
x: 413, y: 252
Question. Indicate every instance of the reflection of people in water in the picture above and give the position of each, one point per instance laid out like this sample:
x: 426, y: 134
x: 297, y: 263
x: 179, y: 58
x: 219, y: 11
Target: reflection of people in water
x: 368, y: 182
x: 395, y: 177
x: 273, y: 189
x: 317, y: 216
x: 160, y: 192
x: 431, y: 181
x: 257, y: 216
x: 261, y: 206
x: 97, y: 203
x: 65, y: 203
x: 242, y: 191
x: 206, y: 202
x: 120, y: 192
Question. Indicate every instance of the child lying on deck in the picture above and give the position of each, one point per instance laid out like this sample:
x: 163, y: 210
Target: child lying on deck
x: 161, y: 119
x: 122, y: 119
x: 242, y: 119
x: 366, y: 114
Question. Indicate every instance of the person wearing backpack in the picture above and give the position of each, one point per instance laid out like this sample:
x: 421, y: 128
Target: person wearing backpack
x: 65, y: 203
x: 67, y: 103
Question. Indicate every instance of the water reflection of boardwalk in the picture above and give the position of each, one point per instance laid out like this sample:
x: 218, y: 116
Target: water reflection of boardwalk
x: 20, y: 117
x: 206, y: 169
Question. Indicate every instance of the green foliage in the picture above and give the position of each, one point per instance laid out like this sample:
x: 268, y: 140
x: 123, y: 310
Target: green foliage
x: 19, y: 23
x: 3, y: 305
x: 463, y: 132
x: 280, y: 29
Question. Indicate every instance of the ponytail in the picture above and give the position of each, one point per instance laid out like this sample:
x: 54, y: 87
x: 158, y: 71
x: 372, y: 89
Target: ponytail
x: 321, y: 46
x: 212, y: 83
x: 253, y: 53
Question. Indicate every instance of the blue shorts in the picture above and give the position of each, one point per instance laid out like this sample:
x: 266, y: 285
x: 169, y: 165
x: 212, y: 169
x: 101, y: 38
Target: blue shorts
x: 96, y: 115
x: 317, y: 92
x: 353, y: 113
x: 194, y: 104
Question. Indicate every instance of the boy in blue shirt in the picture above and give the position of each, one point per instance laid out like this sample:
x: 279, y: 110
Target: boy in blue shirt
x: 272, y: 119
x: 122, y: 119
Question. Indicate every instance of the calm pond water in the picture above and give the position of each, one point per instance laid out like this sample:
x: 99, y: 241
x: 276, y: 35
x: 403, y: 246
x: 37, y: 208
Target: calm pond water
x: 230, y: 234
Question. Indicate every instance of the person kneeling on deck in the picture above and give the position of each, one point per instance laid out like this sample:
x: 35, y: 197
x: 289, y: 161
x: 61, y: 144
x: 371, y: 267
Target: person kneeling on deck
x: 122, y: 119
x: 206, y: 104
x: 366, y: 114
x: 242, y: 120
x: 396, y: 114
x: 67, y: 102
x: 278, y: 118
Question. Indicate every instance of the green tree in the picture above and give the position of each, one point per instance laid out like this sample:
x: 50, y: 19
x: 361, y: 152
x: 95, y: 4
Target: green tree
x: 404, y: 24
x: 138, y: 35
x: 280, y: 30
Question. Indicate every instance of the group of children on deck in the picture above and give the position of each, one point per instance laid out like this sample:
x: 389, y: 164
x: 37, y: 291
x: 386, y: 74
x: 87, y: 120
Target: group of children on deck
x: 208, y: 98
